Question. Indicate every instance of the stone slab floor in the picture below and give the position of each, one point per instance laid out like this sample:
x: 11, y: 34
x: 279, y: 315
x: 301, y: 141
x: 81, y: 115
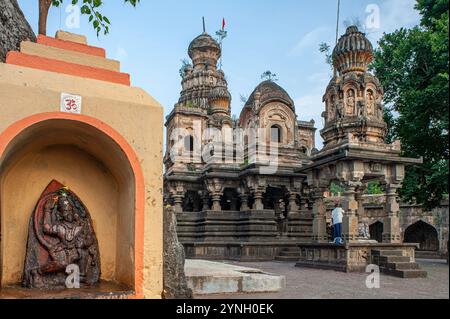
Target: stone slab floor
x: 303, y: 283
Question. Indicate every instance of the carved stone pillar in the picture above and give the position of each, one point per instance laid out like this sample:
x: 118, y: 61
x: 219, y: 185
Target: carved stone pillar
x: 293, y: 207
x: 391, y: 225
x: 258, y: 197
x: 319, y: 214
x: 244, y: 202
x: 178, y: 203
x: 350, y: 220
x: 215, y: 189
x: 216, y: 197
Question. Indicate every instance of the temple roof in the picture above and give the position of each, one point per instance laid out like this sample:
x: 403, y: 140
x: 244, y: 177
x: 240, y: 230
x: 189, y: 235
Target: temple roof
x: 269, y: 91
x: 353, y: 52
x: 202, y: 43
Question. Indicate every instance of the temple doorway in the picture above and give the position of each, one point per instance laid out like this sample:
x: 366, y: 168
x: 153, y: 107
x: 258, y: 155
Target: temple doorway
x: 376, y: 231
x: 424, y: 234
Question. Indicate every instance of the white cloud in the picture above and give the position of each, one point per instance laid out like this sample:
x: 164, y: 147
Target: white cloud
x: 395, y: 15
x: 310, y: 41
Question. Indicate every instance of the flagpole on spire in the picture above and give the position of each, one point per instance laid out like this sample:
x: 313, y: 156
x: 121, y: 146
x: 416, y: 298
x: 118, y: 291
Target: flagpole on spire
x: 338, y: 18
x: 222, y: 34
x: 204, y: 26
x: 337, y: 28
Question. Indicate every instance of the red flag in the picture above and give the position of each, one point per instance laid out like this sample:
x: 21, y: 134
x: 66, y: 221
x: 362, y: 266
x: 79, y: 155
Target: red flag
x: 223, y: 24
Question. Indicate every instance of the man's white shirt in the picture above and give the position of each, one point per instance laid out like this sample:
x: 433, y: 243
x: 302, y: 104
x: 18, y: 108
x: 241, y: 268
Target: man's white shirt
x: 337, y: 215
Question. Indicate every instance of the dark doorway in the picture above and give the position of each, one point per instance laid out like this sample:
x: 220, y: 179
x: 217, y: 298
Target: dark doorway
x: 376, y: 231
x: 191, y: 202
x: 424, y: 234
x: 230, y: 200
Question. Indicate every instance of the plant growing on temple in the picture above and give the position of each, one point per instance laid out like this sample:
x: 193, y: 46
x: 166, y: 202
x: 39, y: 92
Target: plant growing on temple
x: 269, y: 76
x: 412, y: 65
x: 184, y: 66
x: 89, y: 8
x: 326, y: 49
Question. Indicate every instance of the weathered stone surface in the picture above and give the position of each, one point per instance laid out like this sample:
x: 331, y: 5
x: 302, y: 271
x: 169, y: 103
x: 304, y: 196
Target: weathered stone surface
x: 175, y: 284
x: 14, y: 28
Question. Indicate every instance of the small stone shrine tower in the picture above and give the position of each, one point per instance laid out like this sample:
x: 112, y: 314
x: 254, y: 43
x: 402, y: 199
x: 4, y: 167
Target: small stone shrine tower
x: 355, y: 151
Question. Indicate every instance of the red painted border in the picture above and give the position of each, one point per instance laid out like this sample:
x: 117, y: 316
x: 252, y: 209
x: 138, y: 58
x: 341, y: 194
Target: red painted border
x: 71, y: 46
x: 7, y: 136
x: 36, y: 62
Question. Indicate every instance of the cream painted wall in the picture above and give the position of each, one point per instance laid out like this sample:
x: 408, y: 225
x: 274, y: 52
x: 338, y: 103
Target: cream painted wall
x: 130, y: 111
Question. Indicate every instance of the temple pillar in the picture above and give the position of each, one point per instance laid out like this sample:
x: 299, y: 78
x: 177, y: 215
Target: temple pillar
x: 350, y: 220
x: 215, y: 189
x: 178, y: 203
x: 293, y: 207
x: 258, y: 197
x: 244, y: 202
x: 216, y: 198
x: 391, y: 225
x: 319, y: 214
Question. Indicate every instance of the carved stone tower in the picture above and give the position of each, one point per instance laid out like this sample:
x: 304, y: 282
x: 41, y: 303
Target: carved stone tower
x: 353, y: 98
x: 355, y: 151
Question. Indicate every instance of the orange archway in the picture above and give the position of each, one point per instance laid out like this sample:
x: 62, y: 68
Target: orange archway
x: 99, y: 144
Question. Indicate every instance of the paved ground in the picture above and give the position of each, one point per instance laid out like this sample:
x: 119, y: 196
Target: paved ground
x: 303, y: 283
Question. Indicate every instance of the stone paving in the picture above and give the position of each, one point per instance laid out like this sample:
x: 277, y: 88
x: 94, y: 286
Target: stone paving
x: 303, y: 283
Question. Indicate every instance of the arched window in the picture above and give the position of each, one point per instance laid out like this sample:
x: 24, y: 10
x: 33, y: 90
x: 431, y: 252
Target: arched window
x: 276, y: 134
x: 189, y: 143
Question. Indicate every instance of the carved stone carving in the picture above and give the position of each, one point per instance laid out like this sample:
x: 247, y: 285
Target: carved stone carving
x: 350, y: 106
x: 60, y: 234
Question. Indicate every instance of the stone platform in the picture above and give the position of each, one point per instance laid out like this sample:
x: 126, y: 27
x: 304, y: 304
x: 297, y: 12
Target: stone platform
x: 353, y: 257
x: 206, y: 277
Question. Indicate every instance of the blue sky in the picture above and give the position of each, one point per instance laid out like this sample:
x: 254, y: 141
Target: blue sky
x: 281, y: 36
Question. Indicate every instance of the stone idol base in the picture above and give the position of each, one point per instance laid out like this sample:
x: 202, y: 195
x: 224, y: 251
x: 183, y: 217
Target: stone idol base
x: 206, y: 277
x: 353, y: 257
x: 103, y: 290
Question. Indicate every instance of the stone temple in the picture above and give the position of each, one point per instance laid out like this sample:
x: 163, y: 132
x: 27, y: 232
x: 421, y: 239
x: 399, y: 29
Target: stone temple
x: 256, y: 187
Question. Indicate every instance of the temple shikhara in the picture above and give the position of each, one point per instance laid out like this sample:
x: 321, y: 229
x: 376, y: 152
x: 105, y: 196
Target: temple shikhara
x: 256, y: 188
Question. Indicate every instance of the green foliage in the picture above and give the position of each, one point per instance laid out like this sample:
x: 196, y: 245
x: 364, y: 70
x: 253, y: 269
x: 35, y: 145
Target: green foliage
x: 184, y: 65
x: 374, y: 188
x: 336, y: 189
x: 90, y: 8
x: 269, y: 76
x: 326, y: 48
x: 412, y: 65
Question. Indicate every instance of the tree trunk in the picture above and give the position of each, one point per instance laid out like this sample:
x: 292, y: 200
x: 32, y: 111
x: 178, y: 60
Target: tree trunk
x: 44, y: 7
x: 14, y: 28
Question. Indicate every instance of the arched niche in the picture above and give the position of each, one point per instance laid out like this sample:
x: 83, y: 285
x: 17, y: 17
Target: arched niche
x: 94, y: 161
x: 423, y: 234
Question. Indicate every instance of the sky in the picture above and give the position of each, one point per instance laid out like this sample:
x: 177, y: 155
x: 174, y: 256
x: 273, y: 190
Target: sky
x: 282, y: 36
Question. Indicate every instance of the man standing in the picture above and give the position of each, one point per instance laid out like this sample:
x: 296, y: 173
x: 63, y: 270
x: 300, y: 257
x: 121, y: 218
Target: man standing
x: 337, y: 215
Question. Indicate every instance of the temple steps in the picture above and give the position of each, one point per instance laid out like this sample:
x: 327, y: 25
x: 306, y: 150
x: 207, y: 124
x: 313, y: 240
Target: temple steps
x: 392, y: 262
x: 289, y: 255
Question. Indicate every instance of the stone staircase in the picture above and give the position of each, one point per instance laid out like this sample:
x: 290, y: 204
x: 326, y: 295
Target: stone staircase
x: 291, y: 254
x: 393, y: 262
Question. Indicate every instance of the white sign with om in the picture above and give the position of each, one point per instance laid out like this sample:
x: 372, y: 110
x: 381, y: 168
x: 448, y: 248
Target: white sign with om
x: 70, y: 103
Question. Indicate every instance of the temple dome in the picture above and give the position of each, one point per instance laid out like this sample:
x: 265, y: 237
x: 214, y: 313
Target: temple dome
x: 204, y: 50
x: 353, y: 52
x: 219, y: 93
x: 269, y: 91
